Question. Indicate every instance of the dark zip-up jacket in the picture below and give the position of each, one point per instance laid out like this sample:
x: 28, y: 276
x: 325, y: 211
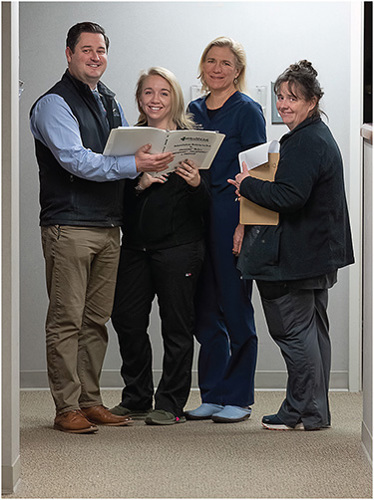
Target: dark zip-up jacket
x: 164, y: 215
x: 64, y: 198
x: 313, y: 236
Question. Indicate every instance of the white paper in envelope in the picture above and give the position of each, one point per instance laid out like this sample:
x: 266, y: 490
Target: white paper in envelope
x: 258, y: 155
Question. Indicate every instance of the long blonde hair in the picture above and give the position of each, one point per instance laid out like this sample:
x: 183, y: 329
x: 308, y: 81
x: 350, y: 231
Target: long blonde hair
x: 240, y: 59
x: 179, y: 116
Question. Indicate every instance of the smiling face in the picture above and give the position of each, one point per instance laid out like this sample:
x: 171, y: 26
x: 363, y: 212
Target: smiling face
x: 291, y: 105
x: 156, y: 101
x: 89, y: 60
x: 219, y: 69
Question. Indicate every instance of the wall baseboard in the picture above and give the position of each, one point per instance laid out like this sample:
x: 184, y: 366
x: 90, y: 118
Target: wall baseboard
x: 367, y: 441
x: 10, y: 477
x: 111, y: 379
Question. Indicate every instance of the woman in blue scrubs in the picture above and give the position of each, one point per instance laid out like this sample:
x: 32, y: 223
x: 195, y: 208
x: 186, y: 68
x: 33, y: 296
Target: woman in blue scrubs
x: 225, y: 325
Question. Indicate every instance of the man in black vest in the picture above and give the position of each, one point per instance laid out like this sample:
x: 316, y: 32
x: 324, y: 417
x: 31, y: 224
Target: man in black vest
x: 81, y: 194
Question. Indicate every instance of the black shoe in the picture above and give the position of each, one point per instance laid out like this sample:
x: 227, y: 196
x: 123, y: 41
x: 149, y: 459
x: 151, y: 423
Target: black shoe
x: 274, y: 423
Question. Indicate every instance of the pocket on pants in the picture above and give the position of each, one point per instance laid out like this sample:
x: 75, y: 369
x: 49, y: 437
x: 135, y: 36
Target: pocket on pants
x: 279, y: 314
x: 49, y: 236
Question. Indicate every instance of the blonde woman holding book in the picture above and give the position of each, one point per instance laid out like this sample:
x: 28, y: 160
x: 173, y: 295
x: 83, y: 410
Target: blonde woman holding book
x: 161, y: 255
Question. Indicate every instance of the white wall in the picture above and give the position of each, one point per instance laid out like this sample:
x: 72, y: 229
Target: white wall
x: 173, y: 34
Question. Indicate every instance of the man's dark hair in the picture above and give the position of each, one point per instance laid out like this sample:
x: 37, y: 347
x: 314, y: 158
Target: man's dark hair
x: 87, y: 27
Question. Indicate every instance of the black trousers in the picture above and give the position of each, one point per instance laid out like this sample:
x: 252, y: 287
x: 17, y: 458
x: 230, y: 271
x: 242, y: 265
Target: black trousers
x: 171, y: 274
x: 298, y: 323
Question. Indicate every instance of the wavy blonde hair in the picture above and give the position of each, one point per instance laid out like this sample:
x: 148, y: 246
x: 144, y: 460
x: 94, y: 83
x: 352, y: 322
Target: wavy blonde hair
x: 240, y: 60
x: 179, y: 116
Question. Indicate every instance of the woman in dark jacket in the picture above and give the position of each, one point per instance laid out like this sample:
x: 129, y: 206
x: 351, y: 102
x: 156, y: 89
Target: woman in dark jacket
x: 162, y: 253
x: 295, y: 262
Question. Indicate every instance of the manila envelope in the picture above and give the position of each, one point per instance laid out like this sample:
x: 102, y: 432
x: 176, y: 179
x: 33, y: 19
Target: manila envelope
x: 251, y: 213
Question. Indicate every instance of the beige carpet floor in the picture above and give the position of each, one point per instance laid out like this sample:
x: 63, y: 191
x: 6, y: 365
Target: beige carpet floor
x: 195, y: 459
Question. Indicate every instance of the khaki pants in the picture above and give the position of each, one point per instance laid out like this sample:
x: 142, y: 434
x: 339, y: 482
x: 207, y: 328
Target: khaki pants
x: 81, y: 269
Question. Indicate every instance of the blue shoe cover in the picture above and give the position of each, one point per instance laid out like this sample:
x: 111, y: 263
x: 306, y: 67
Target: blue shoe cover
x: 204, y: 411
x: 232, y: 414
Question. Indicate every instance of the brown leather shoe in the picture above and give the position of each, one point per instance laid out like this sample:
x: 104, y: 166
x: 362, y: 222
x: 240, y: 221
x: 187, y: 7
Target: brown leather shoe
x: 101, y: 416
x: 74, y: 422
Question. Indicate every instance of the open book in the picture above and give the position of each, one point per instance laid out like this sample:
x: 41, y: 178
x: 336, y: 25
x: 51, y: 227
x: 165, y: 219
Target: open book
x: 262, y: 162
x: 201, y: 146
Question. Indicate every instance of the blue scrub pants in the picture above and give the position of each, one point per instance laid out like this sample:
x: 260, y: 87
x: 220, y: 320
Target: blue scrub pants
x: 224, y: 318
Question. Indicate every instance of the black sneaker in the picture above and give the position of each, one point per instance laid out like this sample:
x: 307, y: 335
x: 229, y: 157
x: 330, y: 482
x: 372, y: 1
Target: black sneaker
x: 274, y: 423
x: 126, y: 412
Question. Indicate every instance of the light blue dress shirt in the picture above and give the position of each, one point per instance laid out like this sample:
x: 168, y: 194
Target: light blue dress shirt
x: 54, y: 125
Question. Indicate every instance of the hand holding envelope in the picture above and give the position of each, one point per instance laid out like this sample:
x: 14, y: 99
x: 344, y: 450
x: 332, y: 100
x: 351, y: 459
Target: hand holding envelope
x: 260, y: 162
x: 238, y: 179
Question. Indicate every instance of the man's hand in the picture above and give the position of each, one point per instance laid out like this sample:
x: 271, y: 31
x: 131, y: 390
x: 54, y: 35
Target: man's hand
x: 147, y: 162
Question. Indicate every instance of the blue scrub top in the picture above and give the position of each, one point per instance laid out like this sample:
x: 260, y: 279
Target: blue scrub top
x: 242, y: 121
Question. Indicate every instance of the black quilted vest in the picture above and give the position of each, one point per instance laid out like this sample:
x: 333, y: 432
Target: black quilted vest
x: 65, y: 198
